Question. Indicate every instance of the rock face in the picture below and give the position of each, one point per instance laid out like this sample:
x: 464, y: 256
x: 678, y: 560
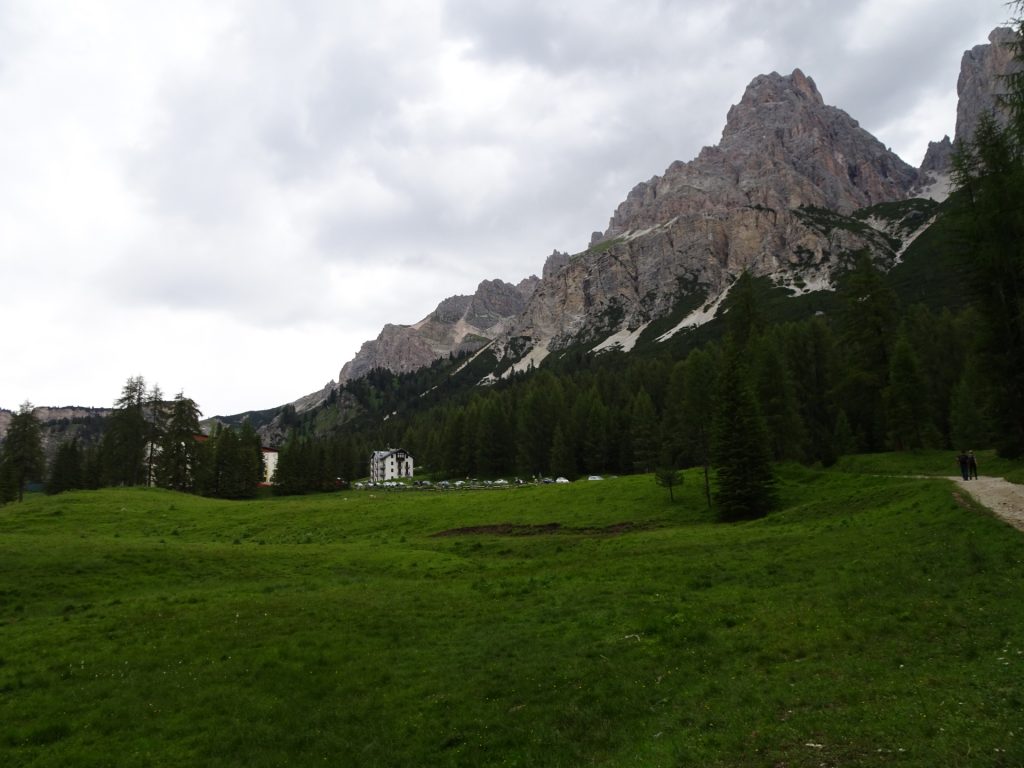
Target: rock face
x: 782, y: 147
x: 766, y: 199
x: 982, y: 82
x: 59, y: 425
x: 934, y: 175
x: 459, y: 324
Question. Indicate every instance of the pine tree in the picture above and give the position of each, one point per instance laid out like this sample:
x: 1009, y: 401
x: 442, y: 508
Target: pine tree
x: 700, y: 403
x: 250, y: 461
x: 744, y: 315
x: 742, y: 459
x: 843, y: 440
x: 906, y: 402
x: 66, y: 474
x: 645, y: 433
x: 563, y: 455
x: 867, y: 322
x: 23, y: 452
x: 178, y: 453
x: 777, y: 397
x: 811, y: 351
x: 124, y: 443
x: 667, y: 477
x: 156, y: 418
x: 968, y: 419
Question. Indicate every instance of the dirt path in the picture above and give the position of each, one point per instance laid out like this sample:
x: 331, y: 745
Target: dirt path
x: 1005, y: 499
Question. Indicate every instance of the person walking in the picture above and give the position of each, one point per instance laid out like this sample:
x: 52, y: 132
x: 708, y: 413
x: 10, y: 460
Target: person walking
x: 963, y: 460
x: 972, y: 466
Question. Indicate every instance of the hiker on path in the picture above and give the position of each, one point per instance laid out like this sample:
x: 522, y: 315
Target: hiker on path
x: 963, y: 460
x: 972, y: 465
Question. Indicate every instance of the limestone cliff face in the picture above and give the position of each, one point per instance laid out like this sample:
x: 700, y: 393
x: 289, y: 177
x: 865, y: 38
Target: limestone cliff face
x: 781, y: 148
x: 769, y: 198
x: 982, y: 81
x: 59, y: 425
x: 459, y: 324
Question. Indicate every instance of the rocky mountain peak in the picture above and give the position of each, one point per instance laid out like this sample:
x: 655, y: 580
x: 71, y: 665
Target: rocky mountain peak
x: 554, y: 263
x: 773, y: 93
x: 458, y: 324
x: 782, y: 147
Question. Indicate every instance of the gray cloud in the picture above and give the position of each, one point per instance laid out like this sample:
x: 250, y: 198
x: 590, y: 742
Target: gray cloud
x: 298, y: 174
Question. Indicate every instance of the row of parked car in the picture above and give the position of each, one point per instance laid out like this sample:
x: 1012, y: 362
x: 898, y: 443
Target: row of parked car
x: 472, y: 483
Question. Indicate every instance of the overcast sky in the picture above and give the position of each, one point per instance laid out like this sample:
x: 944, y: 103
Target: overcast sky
x: 228, y: 198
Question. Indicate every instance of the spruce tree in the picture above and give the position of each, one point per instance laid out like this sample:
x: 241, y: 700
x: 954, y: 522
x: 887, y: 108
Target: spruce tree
x: 777, y: 397
x: 699, y: 405
x: 23, y: 452
x: 178, y: 453
x: 66, y: 474
x: 645, y: 433
x: 906, y: 401
x: 742, y: 458
x: 125, y: 440
x: 867, y: 323
x: 563, y: 455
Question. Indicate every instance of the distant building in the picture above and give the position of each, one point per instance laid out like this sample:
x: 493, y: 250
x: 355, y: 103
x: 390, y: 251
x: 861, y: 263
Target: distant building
x: 269, y: 465
x: 392, y: 464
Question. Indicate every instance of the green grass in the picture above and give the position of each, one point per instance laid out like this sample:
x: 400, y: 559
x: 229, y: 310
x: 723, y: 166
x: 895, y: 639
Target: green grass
x: 935, y: 463
x: 872, y: 621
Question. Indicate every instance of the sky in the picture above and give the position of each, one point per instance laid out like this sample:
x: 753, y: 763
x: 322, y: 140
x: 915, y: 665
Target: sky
x: 229, y: 198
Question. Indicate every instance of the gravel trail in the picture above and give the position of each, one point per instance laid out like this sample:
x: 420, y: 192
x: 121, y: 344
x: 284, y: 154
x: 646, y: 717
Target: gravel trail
x: 1005, y: 499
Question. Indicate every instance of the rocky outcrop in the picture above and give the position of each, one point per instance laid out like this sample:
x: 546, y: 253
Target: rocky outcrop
x: 554, y: 263
x: 781, y: 148
x: 981, y: 85
x: 63, y: 424
x: 935, y: 174
x: 771, y: 198
x: 982, y: 81
x: 459, y: 324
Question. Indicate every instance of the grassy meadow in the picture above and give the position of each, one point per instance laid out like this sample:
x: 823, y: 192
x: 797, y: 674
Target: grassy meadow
x: 872, y: 621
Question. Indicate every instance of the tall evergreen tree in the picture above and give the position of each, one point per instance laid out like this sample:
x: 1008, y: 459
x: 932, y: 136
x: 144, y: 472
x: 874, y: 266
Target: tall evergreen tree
x: 645, y: 433
x: 811, y: 350
x: 23, y: 452
x: 742, y: 458
x: 776, y: 393
x: 66, y: 474
x: 868, y: 325
x: 906, y: 401
x: 156, y: 420
x: 178, y: 454
x: 700, y: 403
x: 124, y: 443
x: 744, y: 316
x: 968, y: 419
x: 563, y: 455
